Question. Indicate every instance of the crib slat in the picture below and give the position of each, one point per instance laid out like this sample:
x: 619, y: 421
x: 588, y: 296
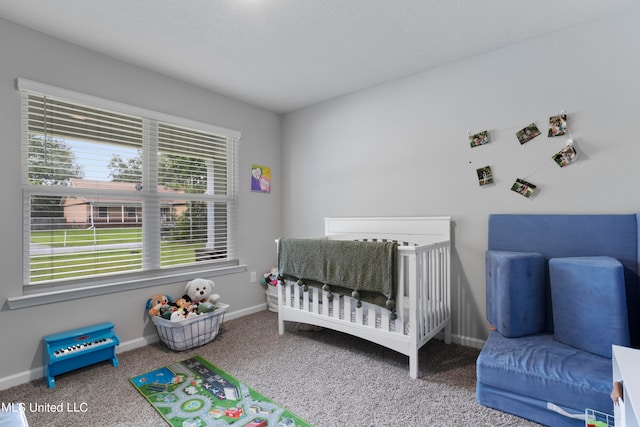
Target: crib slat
x: 372, y: 317
x: 336, y: 306
x: 384, y: 320
x: 296, y: 297
x: 423, y: 289
x: 347, y: 309
x: 400, y: 295
x: 325, y: 303
x: 287, y: 291
x: 315, y: 295
x: 359, y: 315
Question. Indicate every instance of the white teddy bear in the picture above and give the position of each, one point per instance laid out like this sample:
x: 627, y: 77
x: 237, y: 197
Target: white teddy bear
x: 201, y: 290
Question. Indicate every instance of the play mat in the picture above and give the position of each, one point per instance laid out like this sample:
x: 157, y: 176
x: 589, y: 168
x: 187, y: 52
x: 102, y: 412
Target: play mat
x: 195, y: 393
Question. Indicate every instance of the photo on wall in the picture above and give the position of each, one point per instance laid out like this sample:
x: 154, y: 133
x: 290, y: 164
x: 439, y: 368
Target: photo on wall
x: 528, y: 133
x: 260, y: 179
x: 478, y: 139
x: 523, y: 188
x: 565, y: 156
x: 484, y: 175
x: 558, y: 125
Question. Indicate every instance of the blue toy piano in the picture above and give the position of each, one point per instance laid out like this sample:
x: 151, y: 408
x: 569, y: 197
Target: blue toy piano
x: 77, y: 348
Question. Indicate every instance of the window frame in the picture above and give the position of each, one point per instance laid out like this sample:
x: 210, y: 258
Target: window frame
x: 62, y: 290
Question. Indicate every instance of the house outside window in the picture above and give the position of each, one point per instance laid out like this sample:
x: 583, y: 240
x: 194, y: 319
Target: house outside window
x: 111, y: 189
x: 103, y: 212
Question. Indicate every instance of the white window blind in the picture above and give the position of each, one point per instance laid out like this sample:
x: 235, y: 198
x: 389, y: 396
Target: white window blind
x: 113, y: 189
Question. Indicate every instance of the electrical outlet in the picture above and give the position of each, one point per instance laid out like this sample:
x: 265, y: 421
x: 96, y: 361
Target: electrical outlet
x: 253, y: 277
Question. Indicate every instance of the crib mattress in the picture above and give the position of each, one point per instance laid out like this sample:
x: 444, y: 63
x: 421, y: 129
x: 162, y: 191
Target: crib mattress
x: 543, y: 369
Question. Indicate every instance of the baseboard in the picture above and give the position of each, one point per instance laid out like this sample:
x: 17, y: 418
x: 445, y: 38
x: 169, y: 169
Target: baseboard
x: 245, y: 312
x: 38, y: 373
x: 467, y: 341
x: 462, y: 340
x: 21, y: 378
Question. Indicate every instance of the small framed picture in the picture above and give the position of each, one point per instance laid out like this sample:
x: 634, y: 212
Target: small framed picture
x: 260, y: 179
x: 558, y: 125
x: 528, y: 133
x: 478, y: 139
x: 565, y: 156
x: 484, y: 175
x: 523, y: 188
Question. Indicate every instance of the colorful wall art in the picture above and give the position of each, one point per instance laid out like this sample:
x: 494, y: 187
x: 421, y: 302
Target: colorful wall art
x: 260, y: 179
x: 557, y: 127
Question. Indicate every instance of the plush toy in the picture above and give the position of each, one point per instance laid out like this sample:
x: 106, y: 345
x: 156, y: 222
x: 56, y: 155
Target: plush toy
x: 270, y: 278
x: 156, y: 303
x: 201, y: 290
x: 167, y: 310
x: 205, y: 307
x: 184, y: 310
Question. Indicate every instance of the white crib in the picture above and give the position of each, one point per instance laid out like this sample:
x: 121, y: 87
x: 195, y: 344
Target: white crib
x: 423, y: 294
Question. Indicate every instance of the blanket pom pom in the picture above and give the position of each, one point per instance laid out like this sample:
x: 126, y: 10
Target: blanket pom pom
x: 327, y: 289
x: 393, y: 316
x: 356, y: 295
x: 299, y: 282
x: 391, y: 304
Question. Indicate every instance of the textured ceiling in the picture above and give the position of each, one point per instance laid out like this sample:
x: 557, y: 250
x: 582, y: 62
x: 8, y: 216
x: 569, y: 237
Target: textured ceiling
x: 287, y: 54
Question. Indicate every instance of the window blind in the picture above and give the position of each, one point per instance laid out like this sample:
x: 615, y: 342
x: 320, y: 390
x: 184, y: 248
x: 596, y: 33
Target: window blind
x: 111, y: 192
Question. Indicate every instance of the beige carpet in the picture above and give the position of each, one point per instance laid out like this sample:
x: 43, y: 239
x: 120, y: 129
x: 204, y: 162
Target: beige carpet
x: 328, y: 378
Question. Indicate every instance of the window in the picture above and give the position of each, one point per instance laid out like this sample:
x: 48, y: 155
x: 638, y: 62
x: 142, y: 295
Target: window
x: 111, y: 189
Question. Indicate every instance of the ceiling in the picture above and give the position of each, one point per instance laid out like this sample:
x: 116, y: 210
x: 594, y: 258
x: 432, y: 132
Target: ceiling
x: 287, y: 54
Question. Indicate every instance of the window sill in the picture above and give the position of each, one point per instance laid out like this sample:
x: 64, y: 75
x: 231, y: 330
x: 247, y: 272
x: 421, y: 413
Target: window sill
x: 162, y: 278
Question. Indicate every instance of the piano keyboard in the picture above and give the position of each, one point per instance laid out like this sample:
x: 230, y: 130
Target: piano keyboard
x: 83, y: 346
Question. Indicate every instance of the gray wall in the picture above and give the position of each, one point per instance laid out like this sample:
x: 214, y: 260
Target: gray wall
x: 397, y: 149
x: 34, y: 56
x: 402, y: 148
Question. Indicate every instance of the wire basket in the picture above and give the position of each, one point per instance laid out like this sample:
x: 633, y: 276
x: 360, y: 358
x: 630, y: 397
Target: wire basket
x: 595, y: 418
x: 190, y: 333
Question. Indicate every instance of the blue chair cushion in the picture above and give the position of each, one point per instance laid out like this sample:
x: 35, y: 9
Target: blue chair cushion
x: 515, y: 292
x: 589, y: 303
x: 541, y: 368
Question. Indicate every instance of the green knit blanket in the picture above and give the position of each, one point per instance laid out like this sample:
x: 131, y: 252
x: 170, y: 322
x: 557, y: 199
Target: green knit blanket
x: 363, y: 270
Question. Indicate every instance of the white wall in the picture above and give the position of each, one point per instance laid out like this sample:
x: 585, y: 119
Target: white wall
x: 402, y: 149
x: 34, y: 56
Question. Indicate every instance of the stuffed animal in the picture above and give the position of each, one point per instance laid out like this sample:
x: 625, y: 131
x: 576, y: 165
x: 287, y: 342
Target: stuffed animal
x: 167, y: 310
x: 156, y: 302
x: 201, y: 290
x: 270, y: 278
x: 205, y: 307
x: 184, y: 310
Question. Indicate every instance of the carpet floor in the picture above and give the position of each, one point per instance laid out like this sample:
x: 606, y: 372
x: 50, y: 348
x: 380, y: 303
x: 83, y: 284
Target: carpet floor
x: 326, y: 377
